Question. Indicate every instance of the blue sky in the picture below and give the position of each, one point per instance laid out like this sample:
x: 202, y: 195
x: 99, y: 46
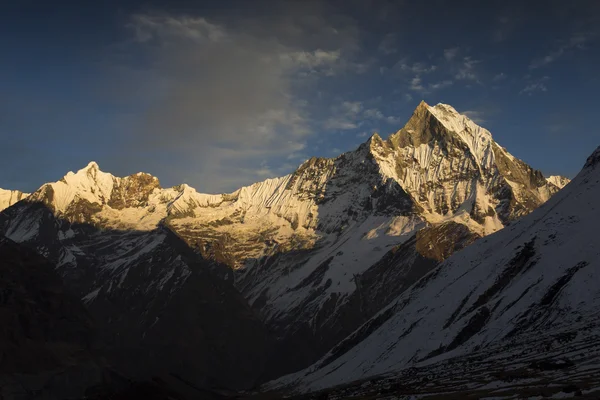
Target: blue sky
x: 219, y: 94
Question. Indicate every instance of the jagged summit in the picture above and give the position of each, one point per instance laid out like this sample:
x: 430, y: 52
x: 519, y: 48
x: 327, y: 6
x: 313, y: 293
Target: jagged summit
x: 442, y: 160
x: 558, y: 181
x: 92, y: 165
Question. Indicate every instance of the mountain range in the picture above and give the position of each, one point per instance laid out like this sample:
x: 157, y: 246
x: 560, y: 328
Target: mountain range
x: 229, y: 290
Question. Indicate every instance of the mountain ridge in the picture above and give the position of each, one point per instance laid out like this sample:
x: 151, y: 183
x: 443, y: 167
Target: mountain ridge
x: 305, y: 249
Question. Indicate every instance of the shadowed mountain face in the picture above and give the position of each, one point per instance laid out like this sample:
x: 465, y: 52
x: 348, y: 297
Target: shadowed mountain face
x: 315, y: 253
x: 46, y: 333
x: 521, y: 303
x: 157, y: 305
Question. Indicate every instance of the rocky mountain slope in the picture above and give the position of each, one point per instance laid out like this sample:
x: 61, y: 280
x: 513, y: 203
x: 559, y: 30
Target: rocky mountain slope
x: 523, y: 301
x: 316, y: 253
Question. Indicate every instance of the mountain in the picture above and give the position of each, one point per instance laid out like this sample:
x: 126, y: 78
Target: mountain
x: 386, y: 214
x: 558, y: 181
x: 316, y: 253
x: 138, y: 286
x: 49, y: 344
x: 47, y: 334
x: 510, y: 313
x: 10, y: 197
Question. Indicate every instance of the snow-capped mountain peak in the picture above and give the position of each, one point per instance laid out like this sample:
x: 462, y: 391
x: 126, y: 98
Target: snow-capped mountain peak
x: 558, y: 181
x: 89, y: 183
x: 523, y: 294
x: 10, y: 197
x: 477, y: 138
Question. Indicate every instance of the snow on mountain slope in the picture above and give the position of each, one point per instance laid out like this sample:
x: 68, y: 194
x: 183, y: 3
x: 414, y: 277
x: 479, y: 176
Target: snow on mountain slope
x: 535, y: 278
x: 10, y: 197
x: 452, y: 178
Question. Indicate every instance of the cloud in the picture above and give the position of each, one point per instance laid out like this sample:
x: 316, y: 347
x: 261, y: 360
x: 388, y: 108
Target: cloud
x: 475, y: 116
x: 416, y: 85
x: 466, y: 71
x: 218, y: 98
x: 352, y: 108
x: 576, y: 41
x: 499, y: 77
x: 377, y: 115
x: 339, y: 124
x: 374, y: 114
x: 311, y: 59
x: 441, y: 84
x: 450, y: 54
x: 415, y: 68
x: 344, y: 116
x: 537, y: 85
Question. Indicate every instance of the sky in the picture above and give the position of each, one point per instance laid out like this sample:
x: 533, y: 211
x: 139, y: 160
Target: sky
x: 221, y: 94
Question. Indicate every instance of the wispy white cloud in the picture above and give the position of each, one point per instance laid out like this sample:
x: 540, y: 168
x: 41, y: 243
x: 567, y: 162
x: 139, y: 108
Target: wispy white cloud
x: 374, y: 114
x: 377, y: 115
x: 441, y: 84
x: 344, y: 116
x: 499, y: 77
x: 311, y: 59
x: 534, y: 86
x: 475, y: 116
x: 417, y: 85
x: 415, y: 68
x: 466, y: 70
x: 575, y: 42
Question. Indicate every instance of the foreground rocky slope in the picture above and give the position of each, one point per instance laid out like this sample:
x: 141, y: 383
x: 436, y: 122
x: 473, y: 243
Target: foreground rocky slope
x: 316, y: 253
x: 522, y: 300
x: 50, y: 346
